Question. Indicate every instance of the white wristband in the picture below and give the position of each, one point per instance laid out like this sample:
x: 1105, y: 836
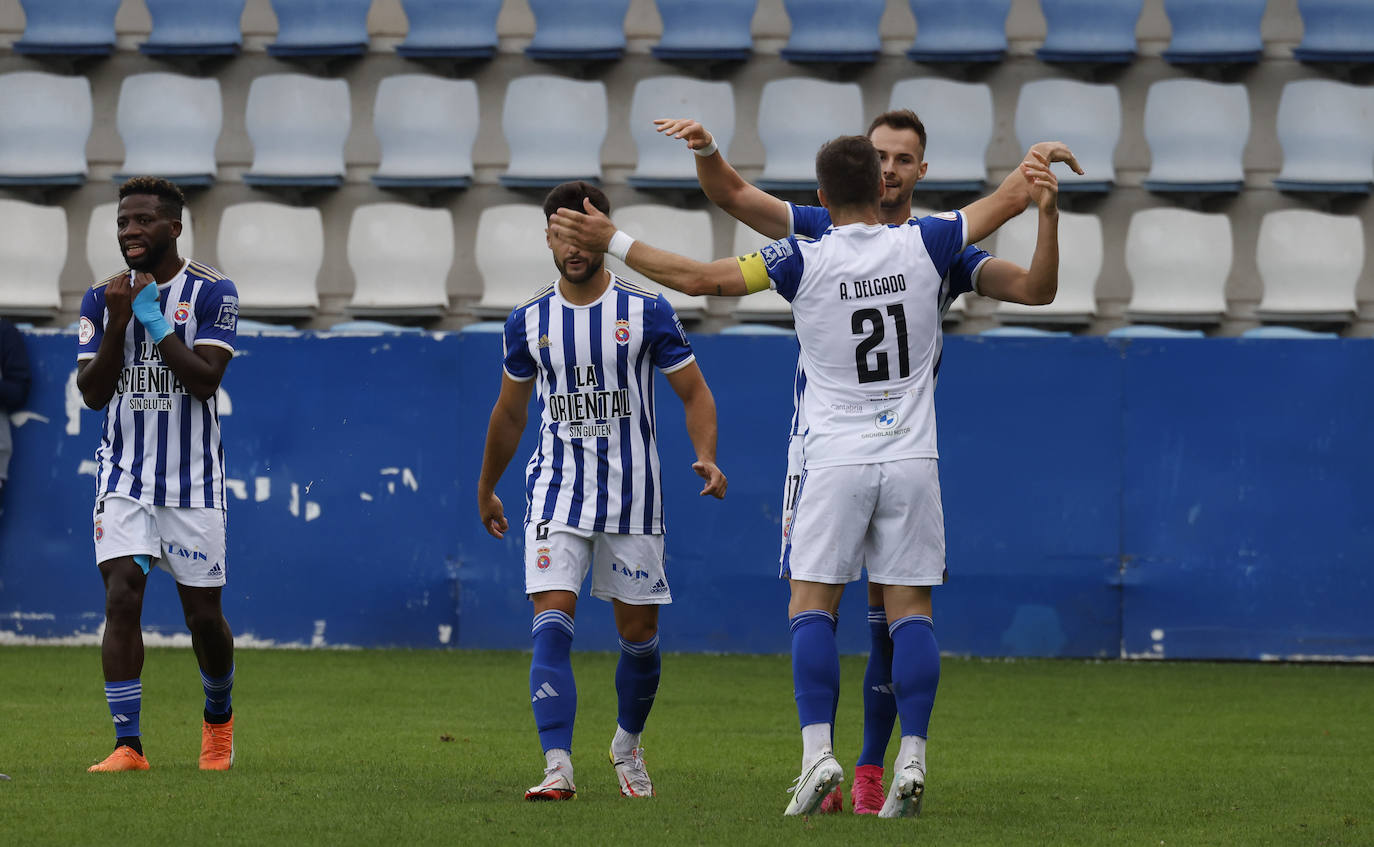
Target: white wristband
x: 708, y: 150
x: 620, y: 244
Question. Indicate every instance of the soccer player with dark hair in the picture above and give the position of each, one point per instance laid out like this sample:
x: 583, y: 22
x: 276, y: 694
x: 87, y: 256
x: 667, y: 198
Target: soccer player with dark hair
x: 589, y: 342
x: 154, y: 341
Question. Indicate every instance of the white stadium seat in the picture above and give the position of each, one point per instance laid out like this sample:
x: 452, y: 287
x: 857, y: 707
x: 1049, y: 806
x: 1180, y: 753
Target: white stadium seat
x: 400, y: 255
x: 33, y: 251
x: 1080, y: 264
x: 1310, y: 263
x: 273, y: 253
x: 687, y: 233
x: 298, y: 125
x: 513, y: 257
x: 1179, y: 262
x: 102, y: 241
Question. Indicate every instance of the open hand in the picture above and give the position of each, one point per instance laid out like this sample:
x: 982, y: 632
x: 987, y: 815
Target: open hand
x: 591, y: 231
x: 688, y: 130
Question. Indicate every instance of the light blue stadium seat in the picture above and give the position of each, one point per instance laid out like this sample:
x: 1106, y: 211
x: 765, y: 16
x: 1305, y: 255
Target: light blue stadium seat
x: 320, y: 28
x: 1326, y: 130
x: 1098, y: 31
x: 1084, y: 116
x: 252, y: 327
x: 298, y: 125
x: 665, y: 162
x: 966, y: 31
x: 372, y: 328
x: 758, y: 329
x: 1024, y: 332
x: 202, y: 28
x: 578, y: 30
x: 68, y: 27
x: 830, y: 31
x: 1214, y: 31
x: 1178, y: 261
x: 485, y: 327
x: 443, y: 29
x: 1336, y: 31
x: 539, y: 156
x: 1286, y: 333
x: 958, y: 122
x: 1197, y: 132
x: 1310, y: 264
x: 1152, y: 331
x: 46, y: 121
x: 797, y: 116
x: 169, y: 124
x: 705, y: 30
x: 427, y: 126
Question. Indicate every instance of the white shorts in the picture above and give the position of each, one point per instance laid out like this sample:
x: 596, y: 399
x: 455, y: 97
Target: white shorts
x: 886, y: 516
x: 628, y: 568
x: 187, y: 543
x: 790, y: 487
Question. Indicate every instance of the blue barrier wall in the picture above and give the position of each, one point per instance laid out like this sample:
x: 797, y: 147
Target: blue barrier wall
x: 1103, y: 497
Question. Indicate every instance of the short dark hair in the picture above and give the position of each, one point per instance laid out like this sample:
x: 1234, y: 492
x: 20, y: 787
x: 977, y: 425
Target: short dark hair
x: 569, y: 196
x: 170, y: 200
x: 901, y: 119
x: 848, y: 172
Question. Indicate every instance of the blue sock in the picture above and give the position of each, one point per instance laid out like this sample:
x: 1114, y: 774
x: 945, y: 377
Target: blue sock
x: 636, y: 682
x: 219, y: 693
x: 553, y: 692
x: 915, y: 671
x: 125, y: 699
x: 880, y: 707
x: 815, y: 666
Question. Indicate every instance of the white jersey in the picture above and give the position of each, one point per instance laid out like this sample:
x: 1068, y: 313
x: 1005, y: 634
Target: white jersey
x: 596, y: 466
x: 161, y: 445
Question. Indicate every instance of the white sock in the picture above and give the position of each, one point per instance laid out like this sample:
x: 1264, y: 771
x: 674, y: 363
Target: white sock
x: 556, y: 757
x: 624, y: 742
x: 815, y: 743
x: 913, y: 749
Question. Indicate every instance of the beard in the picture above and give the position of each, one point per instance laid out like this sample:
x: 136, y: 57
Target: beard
x: 150, y: 259
x: 590, y: 271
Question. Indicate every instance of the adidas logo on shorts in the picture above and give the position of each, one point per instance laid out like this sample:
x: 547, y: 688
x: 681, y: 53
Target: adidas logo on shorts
x: 659, y: 587
x: 215, y: 570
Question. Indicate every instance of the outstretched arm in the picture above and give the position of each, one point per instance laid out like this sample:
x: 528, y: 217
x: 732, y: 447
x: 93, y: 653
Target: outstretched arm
x: 723, y: 185
x: 503, y: 437
x: 986, y: 214
x: 700, y: 406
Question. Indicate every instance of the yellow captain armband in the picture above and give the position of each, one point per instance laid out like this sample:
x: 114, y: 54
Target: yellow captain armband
x: 755, y: 272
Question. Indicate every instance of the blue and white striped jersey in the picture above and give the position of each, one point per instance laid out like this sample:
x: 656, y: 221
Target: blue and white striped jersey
x: 159, y: 444
x: 596, y: 466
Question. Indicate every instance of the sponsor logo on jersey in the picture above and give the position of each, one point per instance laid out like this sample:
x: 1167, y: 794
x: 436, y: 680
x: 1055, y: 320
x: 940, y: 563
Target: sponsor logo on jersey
x: 886, y: 419
x: 622, y: 332
x: 636, y: 574
x: 182, y: 552
x: 150, y: 404
x: 601, y: 430
x: 86, y: 331
x: 774, y: 253
x: 183, y: 312
x: 228, y: 317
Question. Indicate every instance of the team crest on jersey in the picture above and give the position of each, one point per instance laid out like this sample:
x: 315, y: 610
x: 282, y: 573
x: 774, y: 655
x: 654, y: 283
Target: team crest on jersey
x: 99, y: 531
x: 544, y: 342
x: 622, y: 332
x: 86, y: 331
x: 183, y: 312
x: 543, y: 561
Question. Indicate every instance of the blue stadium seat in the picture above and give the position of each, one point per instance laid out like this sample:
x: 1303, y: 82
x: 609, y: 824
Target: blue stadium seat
x: 202, y: 28
x: 1336, y: 31
x: 830, y: 31
x: 33, y: 250
x: 400, y: 255
x: 320, y: 28
x: 1310, y: 263
x: 252, y: 327
x: 1326, y: 130
x: 443, y: 29
x: 1197, y: 132
x: 169, y: 124
x: 758, y: 329
x: 68, y: 27
x: 273, y: 253
x: 298, y: 125
x: 1024, y: 332
x: 797, y: 116
x: 1286, y: 333
x: 427, y: 126
x: 47, y: 121
x: 665, y: 162
x: 1080, y: 266
x: 1214, y: 31
x: 578, y: 30
x: 1098, y: 31
x: 1179, y: 262
x: 540, y: 158
x: 958, y: 121
x: 1084, y: 116
x: 967, y: 31
x: 705, y: 30
x: 1154, y: 331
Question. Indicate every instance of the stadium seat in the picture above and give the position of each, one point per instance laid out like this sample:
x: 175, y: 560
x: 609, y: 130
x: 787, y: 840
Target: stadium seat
x: 541, y: 157
x: 761, y: 305
x: 665, y: 162
x: 298, y: 125
x: 273, y: 253
x: 958, y: 121
x: 1326, y: 130
x: 827, y: 31
x: 427, y: 126
x: 578, y: 30
x: 512, y: 256
x: 102, y: 240
x: 33, y: 250
x: 1214, y: 31
x: 687, y: 233
x: 442, y: 29
x: 1096, y: 31
x: 47, y: 121
x: 1286, y: 333
x: 371, y: 328
x: 797, y: 116
x: 1178, y: 262
x: 1024, y: 332
x: 202, y: 28
x: 251, y: 327
x: 1086, y: 117
x: 1310, y: 263
x: 758, y: 329
x: 705, y: 30
x: 1080, y: 264
x: 1336, y: 31
x: 401, y: 256
x: 1153, y: 331
x: 68, y: 27
x: 967, y: 31
x: 320, y: 28
x: 1197, y: 132
x: 170, y: 124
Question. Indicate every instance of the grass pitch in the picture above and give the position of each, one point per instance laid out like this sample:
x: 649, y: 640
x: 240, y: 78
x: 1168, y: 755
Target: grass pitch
x: 429, y: 747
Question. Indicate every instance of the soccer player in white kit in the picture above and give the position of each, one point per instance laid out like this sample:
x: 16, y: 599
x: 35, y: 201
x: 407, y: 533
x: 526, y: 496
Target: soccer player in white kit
x: 153, y: 344
x: 590, y: 342
x: 865, y: 299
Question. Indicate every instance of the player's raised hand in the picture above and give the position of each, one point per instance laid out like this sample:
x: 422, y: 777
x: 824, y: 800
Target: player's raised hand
x: 1044, y: 185
x: 119, y: 299
x: 715, y: 480
x: 591, y: 231
x: 688, y: 130
x: 493, y: 515
x: 1055, y: 151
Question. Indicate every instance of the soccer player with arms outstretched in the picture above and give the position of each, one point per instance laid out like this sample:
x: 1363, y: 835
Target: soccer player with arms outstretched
x: 154, y: 342
x: 590, y: 342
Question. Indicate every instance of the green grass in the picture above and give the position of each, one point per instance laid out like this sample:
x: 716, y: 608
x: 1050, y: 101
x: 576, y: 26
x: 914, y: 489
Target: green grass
x: 421, y: 747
